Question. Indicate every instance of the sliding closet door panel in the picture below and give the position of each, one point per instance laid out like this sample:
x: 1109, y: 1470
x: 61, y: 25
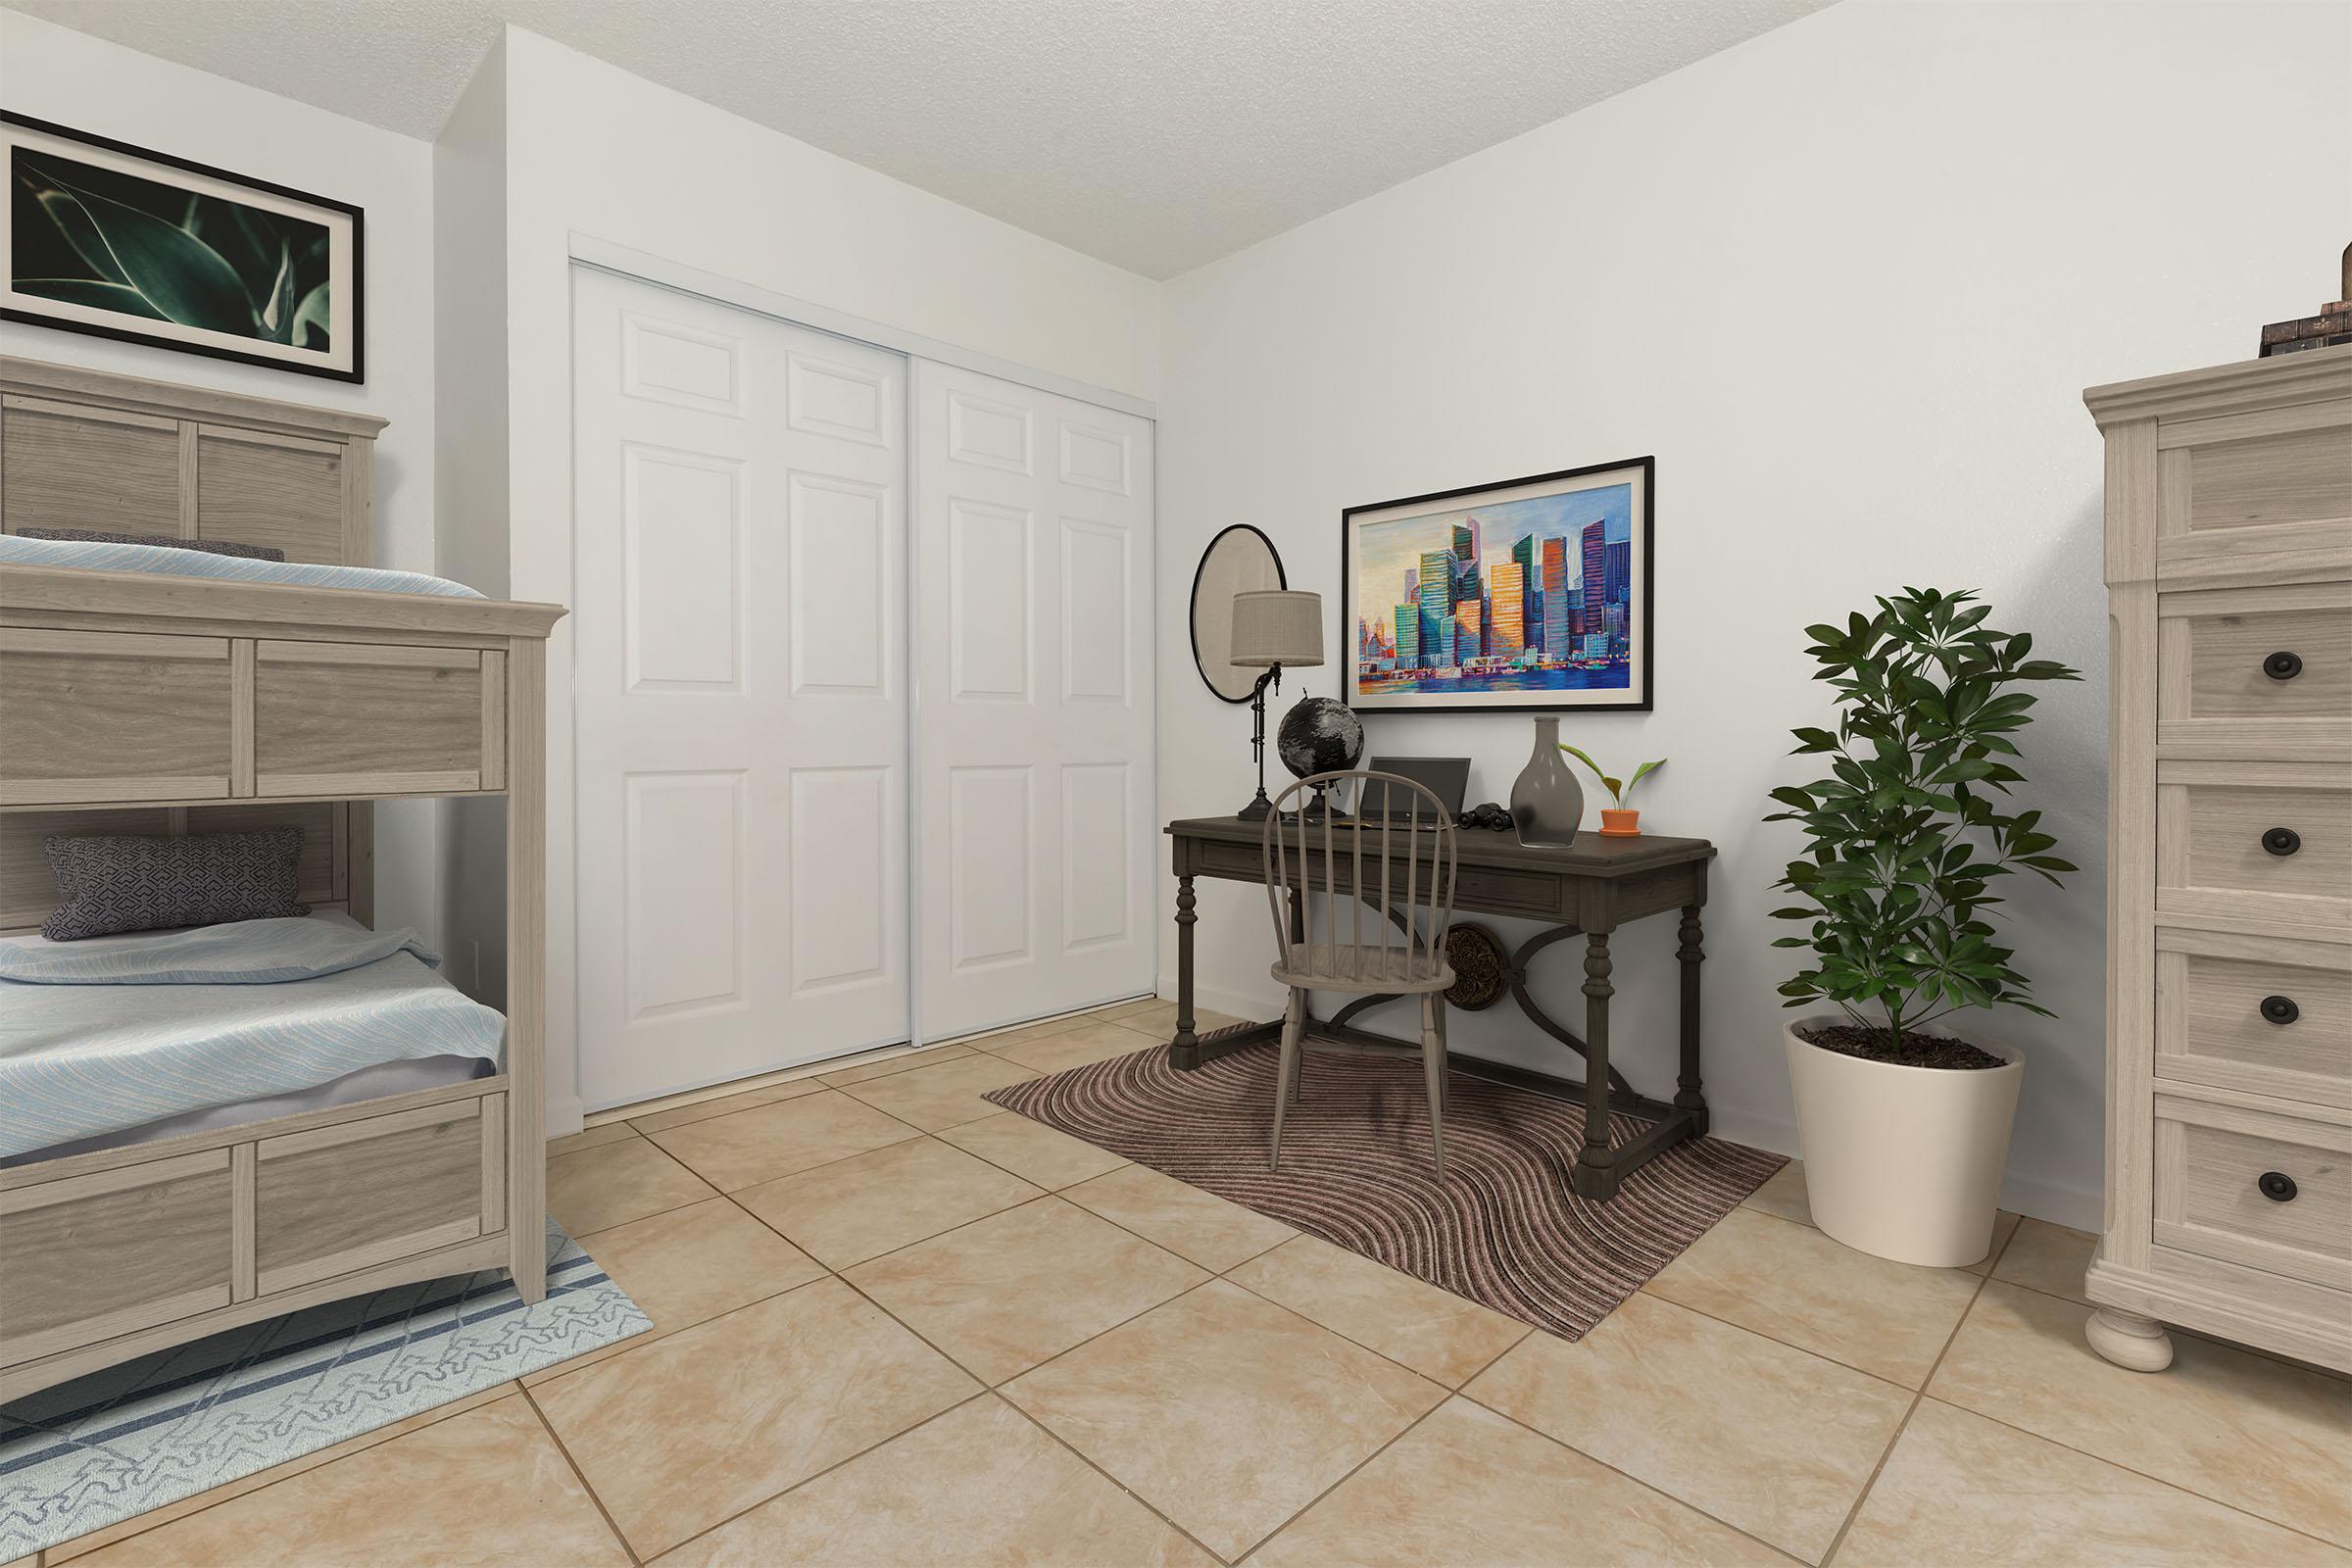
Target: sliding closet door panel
x: 740, y: 691
x: 1033, y: 542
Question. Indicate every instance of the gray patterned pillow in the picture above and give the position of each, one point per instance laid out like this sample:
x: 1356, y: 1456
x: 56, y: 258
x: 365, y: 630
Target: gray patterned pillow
x: 143, y: 882
x: 210, y: 547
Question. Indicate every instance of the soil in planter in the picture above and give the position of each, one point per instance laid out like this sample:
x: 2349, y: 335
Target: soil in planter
x: 1919, y: 1051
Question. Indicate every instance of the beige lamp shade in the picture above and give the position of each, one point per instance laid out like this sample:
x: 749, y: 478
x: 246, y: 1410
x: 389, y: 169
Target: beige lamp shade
x: 1277, y: 627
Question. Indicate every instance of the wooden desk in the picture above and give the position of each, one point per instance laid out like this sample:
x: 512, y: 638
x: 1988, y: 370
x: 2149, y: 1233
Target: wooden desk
x: 1590, y: 890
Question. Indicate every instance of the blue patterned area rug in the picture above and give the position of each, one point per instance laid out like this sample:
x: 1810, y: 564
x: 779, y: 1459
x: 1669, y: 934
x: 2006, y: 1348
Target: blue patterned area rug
x: 90, y: 1453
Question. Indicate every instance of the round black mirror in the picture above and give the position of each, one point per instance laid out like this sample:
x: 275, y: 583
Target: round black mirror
x: 1239, y: 560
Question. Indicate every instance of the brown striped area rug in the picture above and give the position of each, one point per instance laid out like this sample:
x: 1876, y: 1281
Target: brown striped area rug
x: 1504, y: 1230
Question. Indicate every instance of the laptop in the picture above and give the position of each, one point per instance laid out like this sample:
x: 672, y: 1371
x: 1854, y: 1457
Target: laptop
x: 1446, y: 777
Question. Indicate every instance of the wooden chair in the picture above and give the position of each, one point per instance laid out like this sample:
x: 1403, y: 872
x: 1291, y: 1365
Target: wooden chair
x: 1413, y: 854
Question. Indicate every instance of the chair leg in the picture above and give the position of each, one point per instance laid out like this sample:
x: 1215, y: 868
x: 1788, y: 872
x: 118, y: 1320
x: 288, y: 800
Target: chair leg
x: 1285, y: 1069
x: 1433, y: 1068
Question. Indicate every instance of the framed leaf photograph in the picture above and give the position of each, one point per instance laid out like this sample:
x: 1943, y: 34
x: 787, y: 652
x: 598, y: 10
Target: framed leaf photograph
x: 115, y: 241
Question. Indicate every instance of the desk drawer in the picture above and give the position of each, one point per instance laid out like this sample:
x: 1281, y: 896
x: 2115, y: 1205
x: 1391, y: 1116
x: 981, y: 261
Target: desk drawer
x: 2271, y: 1192
x: 360, y: 718
x: 2268, y: 842
x: 89, y: 1257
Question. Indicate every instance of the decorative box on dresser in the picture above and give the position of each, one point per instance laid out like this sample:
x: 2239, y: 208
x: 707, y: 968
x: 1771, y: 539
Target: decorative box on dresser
x: 2229, y: 569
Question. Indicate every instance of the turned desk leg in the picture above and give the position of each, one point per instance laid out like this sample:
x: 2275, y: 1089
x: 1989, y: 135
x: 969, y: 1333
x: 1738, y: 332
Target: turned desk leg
x: 1596, y: 1171
x: 1691, y: 955
x: 1184, y: 1051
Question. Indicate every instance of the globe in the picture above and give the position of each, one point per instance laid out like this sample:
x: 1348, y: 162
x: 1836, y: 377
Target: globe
x: 1320, y: 735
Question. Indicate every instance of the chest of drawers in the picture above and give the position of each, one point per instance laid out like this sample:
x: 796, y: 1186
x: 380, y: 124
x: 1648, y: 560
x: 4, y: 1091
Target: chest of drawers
x: 2228, y: 567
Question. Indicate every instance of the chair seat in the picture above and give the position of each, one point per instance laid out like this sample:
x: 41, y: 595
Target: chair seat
x: 1344, y: 966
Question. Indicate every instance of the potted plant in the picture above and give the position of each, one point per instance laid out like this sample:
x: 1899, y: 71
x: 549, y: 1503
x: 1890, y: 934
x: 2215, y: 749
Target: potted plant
x: 1619, y: 821
x: 1904, y: 1119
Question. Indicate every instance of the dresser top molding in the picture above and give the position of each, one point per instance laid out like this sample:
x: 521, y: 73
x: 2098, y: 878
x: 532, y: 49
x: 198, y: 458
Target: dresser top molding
x: 68, y: 383
x: 2316, y: 376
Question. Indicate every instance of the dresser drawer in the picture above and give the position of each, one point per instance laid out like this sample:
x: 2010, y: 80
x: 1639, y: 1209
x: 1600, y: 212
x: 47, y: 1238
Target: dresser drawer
x: 2267, y: 842
x: 2271, y: 1192
x: 2258, y: 653
x: 2262, y: 470
x: 2255, y: 1014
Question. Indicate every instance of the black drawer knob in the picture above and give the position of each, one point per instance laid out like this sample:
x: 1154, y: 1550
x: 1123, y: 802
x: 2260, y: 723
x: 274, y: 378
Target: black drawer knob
x: 2282, y: 841
x: 2281, y: 1009
x: 2282, y: 666
x: 2277, y: 1186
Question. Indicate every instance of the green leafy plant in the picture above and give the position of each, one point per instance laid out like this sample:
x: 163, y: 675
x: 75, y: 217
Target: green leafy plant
x: 1909, y: 834
x: 99, y: 237
x: 1618, y: 788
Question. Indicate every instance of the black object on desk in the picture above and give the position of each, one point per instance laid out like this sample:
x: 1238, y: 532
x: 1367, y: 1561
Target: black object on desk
x: 1590, y: 889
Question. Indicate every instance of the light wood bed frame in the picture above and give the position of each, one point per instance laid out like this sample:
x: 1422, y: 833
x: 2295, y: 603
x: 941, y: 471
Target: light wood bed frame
x: 141, y: 704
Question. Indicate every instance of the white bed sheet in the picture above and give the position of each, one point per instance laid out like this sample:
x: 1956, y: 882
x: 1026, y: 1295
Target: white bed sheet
x: 79, y: 1063
x: 368, y: 1083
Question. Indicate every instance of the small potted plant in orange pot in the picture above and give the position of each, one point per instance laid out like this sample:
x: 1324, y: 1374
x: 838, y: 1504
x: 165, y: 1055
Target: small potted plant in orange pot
x: 1619, y: 821
x: 1904, y: 1117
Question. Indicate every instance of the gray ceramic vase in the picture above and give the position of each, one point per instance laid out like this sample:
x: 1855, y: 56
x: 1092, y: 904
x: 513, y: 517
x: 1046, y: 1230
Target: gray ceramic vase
x: 1547, y: 803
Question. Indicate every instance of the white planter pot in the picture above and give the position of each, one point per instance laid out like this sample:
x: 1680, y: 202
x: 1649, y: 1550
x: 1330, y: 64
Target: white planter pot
x: 1904, y: 1162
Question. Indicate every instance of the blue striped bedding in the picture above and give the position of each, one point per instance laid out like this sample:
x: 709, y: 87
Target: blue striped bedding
x: 81, y: 1061
x: 164, y: 560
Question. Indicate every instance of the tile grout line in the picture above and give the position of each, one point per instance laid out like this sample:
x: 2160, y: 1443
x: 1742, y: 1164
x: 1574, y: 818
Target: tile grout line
x: 985, y: 1388
x: 1647, y: 1485
x: 1861, y: 1498
x: 557, y: 1437
x: 1450, y: 1388
x: 713, y: 1093
x: 2223, y: 1503
x: 818, y: 1475
x: 1992, y: 1277
x: 1140, y: 1500
x: 42, y: 1557
x: 1917, y: 1395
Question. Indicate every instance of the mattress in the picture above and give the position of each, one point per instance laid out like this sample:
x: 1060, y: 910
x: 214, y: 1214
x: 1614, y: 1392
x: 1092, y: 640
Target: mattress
x: 85, y: 1062
x: 166, y: 562
x: 368, y: 1083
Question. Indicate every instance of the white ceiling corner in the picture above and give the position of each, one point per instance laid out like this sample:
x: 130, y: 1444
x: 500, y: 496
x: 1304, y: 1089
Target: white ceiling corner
x: 1157, y: 134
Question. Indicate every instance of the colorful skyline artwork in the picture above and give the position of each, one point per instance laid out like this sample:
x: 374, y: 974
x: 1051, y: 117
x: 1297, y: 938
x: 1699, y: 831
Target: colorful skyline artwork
x: 1532, y: 594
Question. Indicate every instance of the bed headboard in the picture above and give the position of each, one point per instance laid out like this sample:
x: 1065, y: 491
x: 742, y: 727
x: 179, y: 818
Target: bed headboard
x: 86, y: 449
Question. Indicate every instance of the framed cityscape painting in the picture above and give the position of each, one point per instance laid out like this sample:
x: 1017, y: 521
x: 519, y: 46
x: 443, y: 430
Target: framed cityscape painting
x: 1531, y: 594
x: 113, y: 240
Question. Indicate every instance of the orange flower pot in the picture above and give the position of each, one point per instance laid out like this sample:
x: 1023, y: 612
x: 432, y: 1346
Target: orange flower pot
x: 1616, y: 823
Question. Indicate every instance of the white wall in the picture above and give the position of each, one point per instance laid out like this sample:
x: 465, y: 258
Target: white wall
x: 73, y: 79
x: 595, y: 151
x: 469, y: 516
x: 1846, y: 281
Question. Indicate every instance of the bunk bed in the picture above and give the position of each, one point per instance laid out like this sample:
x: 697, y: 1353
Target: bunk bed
x: 135, y: 700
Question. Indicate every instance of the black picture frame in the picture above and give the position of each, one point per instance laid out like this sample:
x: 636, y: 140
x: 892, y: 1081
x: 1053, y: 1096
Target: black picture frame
x: 213, y: 345
x: 1639, y: 696
x: 1282, y: 579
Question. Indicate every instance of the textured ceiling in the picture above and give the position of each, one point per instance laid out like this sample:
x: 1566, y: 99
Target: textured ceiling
x: 1159, y: 135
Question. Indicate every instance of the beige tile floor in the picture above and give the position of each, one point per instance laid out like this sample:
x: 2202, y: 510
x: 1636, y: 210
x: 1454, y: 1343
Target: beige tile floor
x: 894, y: 1325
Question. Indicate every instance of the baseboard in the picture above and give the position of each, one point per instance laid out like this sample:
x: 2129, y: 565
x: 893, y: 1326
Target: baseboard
x: 564, y: 1113
x: 2077, y: 1208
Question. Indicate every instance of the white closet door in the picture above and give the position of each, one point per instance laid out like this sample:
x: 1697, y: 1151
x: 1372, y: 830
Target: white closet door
x: 1033, y: 578
x: 740, y: 689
